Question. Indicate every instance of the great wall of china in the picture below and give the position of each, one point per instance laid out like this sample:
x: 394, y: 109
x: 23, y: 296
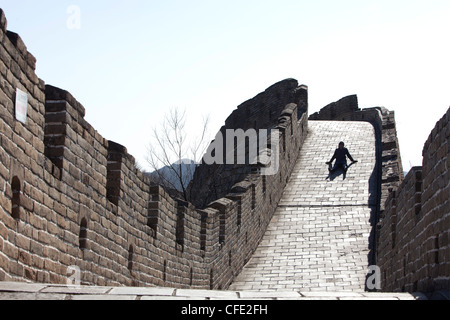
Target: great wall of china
x: 69, y: 197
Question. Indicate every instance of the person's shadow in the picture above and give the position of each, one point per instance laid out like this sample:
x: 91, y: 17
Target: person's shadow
x: 338, y: 172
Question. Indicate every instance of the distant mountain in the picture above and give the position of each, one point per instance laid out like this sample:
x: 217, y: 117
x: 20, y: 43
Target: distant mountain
x: 168, y: 176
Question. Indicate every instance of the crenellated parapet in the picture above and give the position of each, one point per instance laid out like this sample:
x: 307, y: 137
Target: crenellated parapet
x: 414, y: 230
x: 274, y: 109
x: 71, y: 198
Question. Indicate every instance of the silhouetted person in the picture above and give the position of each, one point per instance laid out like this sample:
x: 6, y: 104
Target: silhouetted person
x: 340, y: 155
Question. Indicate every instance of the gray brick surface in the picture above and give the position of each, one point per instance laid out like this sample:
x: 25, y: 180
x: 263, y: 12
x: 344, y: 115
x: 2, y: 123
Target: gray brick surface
x: 318, y: 239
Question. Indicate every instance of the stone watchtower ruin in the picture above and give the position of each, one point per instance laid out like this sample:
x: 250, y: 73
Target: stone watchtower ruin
x: 71, y: 198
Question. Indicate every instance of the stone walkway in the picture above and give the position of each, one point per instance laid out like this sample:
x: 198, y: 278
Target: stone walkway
x: 26, y: 291
x: 318, y: 239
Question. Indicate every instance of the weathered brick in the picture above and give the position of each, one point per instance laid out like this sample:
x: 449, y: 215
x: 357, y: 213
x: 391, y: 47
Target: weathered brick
x: 3, y: 21
x: 10, y: 250
x: 16, y: 269
x: 25, y: 258
x: 5, y: 203
x: 22, y: 242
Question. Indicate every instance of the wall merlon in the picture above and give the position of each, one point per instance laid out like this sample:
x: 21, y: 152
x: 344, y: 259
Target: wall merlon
x: 241, y: 187
x: 116, y: 148
x: 222, y: 204
x: 287, y: 116
x: 21, y: 55
x: 16, y: 40
x: 289, y: 110
x: 56, y: 94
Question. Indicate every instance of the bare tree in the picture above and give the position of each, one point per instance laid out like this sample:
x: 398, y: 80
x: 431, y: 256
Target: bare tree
x: 175, y: 153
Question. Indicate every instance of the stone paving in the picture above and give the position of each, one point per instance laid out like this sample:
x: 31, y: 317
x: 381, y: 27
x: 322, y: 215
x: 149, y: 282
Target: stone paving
x: 27, y: 291
x: 318, y: 239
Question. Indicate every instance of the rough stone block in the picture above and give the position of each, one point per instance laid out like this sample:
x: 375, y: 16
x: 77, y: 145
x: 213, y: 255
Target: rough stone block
x: 3, y: 21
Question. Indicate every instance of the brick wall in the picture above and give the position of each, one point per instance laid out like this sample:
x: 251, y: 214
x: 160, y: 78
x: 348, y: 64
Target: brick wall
x: 266, y: 110
x: 413, y: 242
x: 69, y: 197
x: 412, y: 235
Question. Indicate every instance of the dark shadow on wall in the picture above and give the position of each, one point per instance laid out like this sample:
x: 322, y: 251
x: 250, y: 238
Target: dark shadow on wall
x: 375, y: 181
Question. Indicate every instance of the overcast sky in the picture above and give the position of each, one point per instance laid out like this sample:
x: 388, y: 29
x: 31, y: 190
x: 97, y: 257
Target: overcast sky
x: 129, y: 62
